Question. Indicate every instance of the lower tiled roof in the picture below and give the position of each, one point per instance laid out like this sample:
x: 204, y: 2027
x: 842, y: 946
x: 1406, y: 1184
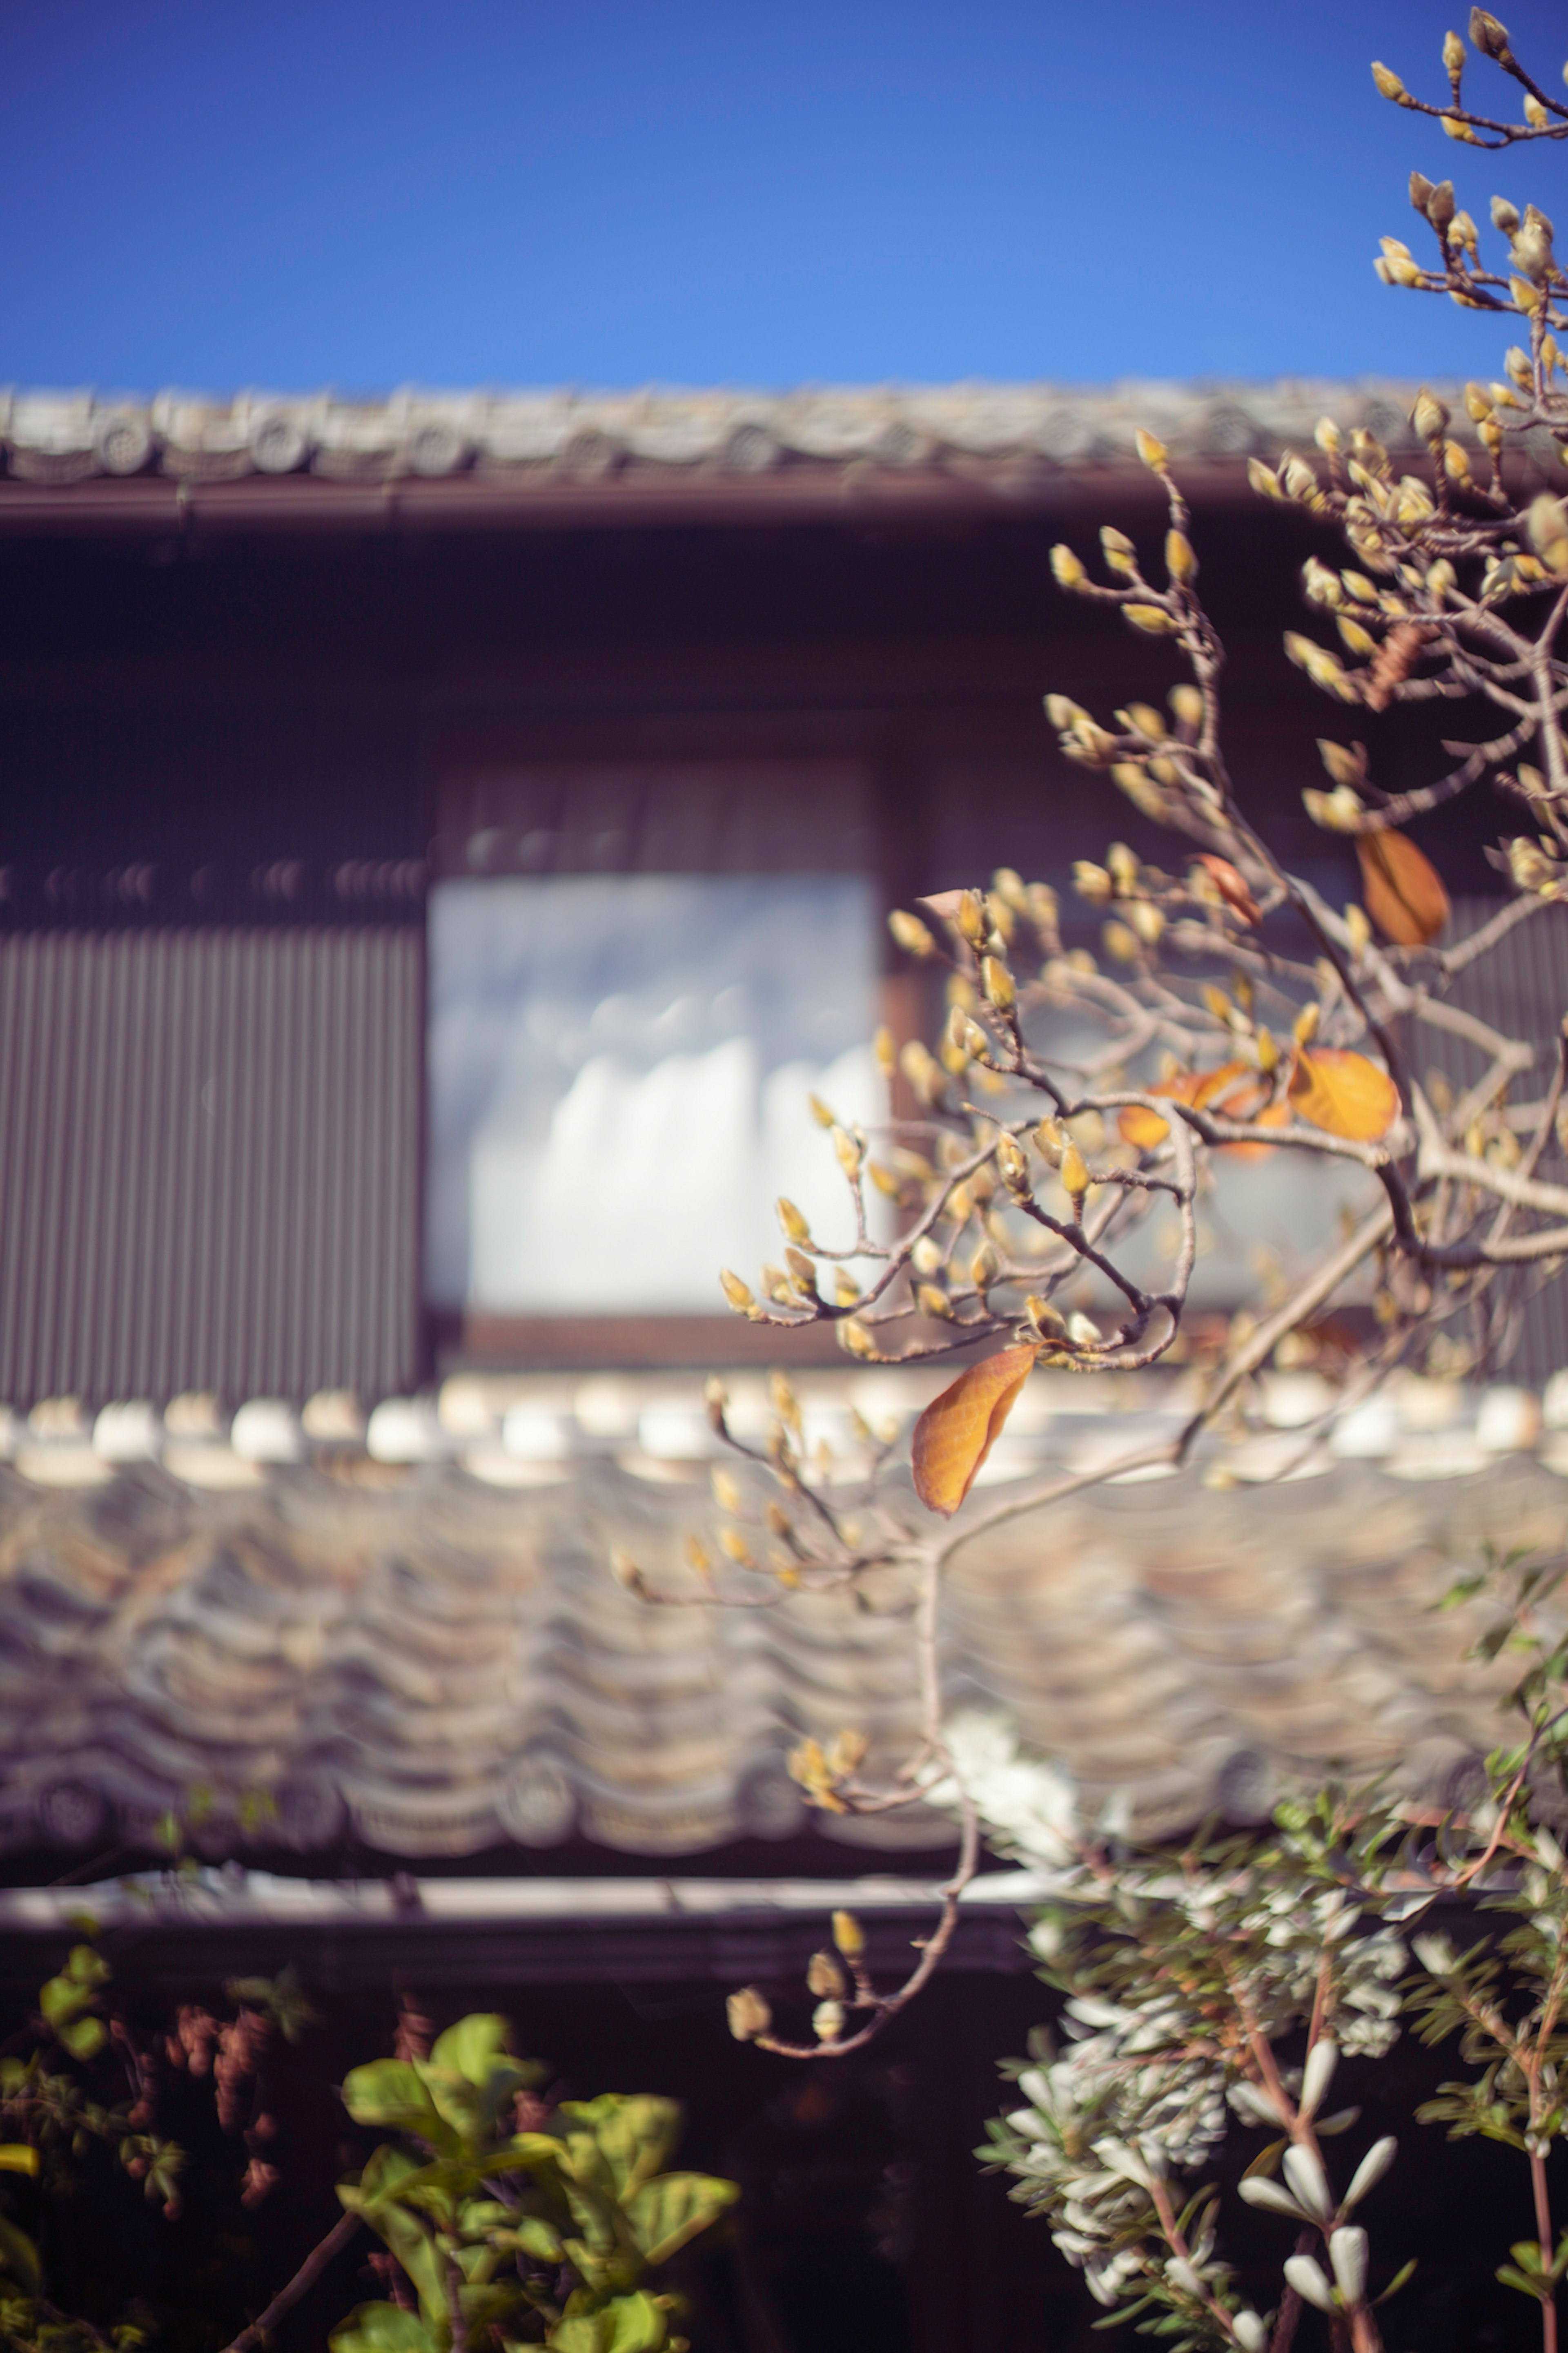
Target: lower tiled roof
x: 428, y: 1655
x: 57, y: 438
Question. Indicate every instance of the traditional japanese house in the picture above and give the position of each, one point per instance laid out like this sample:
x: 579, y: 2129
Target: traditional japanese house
x: 444, y: 840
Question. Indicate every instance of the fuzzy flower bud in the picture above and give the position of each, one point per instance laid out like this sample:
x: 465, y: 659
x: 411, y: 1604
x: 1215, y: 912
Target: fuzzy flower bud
x: 911, y: 934
x: 749, y: 2014
x: 1307, y: 2278
x: 1180, y: 561
x: 825, y: 1978
x: 849, y: 1935
x: 1347, y: 2253
x: 1068, y: 569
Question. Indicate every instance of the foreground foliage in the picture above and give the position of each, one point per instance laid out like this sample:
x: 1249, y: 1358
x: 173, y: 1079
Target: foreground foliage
x: 506, y: 2223
x: 544, y: 2236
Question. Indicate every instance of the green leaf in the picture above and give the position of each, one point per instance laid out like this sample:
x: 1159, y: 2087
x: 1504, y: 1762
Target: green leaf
x: 668, y: 2212
x: 533, y: 2236
x: 580, y: 2332
x: 634, y: 2324
x: 393, y: 2091
x: 1395, y: 2284
x: 387, y: 2328
x: 83, y: 2037
x: 440, y: 2186
x: 376, y: 2196
x: 62, y: 1999
x: 19, y: 2257
x: 626, y: 2324
x: 635, y: 2134
x: 474, y: 2047
x: 1511, y: 2278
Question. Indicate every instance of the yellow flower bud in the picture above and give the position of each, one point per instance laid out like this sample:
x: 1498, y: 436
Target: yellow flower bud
x: 985, y: 1267
x: 855, y: 1337
x: 790, y: 1218
x: 1346, y: 763
x: 726, y: 1493
x: 1360, y: 641
x: 1069, y: 570
x: 733, y: 1545
x: 737, y: 1292
x: 1074, y: 1171
x: 1180, y: 561
x: 1119, y: 941
x: 1010, y: 888
x: 911, y: 934
x: 1151, y: 619
x: 885, y: 1183
x: 1358, y: 930
x: 1429, y: 415
x: 1118, y: 549
x: 1146, y: 920
x: 820, y: 1111
x: 801, y: 1267
x: 850, y: 1936
x: 1187, y: 702
x: 933, y: 1303
x: 749, y: 2014
x: 1092, y: 882
x: 1268, y: 1051
x: 1304, y: 1029
x: 1389, y: 85
x: 1455, y: 128
x: 848, y: 1151
x: 971, y: 917
x: 1012, y: 1166
x: 1147, y: 719
x: 1326, y: 434
x: 823, y: 1978
x: 1452, y: 54
x: 997, y: 983
x: 1153, y: 453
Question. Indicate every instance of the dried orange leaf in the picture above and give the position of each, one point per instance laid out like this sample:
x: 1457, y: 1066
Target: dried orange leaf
x: 1275, y: 1114
x: 958, y: 1429
x: 1145, y: 1128
x: 1142, y: 1127
x: 1231, y: 886
x: 1402, y: 893
x: 1345, y: 1094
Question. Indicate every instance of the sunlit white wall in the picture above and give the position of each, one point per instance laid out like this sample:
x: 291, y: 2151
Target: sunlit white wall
x: 619, y: 1074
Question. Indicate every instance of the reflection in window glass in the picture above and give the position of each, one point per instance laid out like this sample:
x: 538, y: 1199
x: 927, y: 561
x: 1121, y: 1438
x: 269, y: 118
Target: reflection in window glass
x: 619, y: 1067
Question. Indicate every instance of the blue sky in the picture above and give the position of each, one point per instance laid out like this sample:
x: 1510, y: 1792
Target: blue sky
x: 504, y: 192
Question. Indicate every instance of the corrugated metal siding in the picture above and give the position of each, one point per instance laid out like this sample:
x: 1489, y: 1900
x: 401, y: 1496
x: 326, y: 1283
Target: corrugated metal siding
x: 1522, y: 989
x: 209, y: 1161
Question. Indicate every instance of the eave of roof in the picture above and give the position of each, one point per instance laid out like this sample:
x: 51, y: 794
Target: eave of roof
x: 91, y: 461
x: 416, y: 1642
